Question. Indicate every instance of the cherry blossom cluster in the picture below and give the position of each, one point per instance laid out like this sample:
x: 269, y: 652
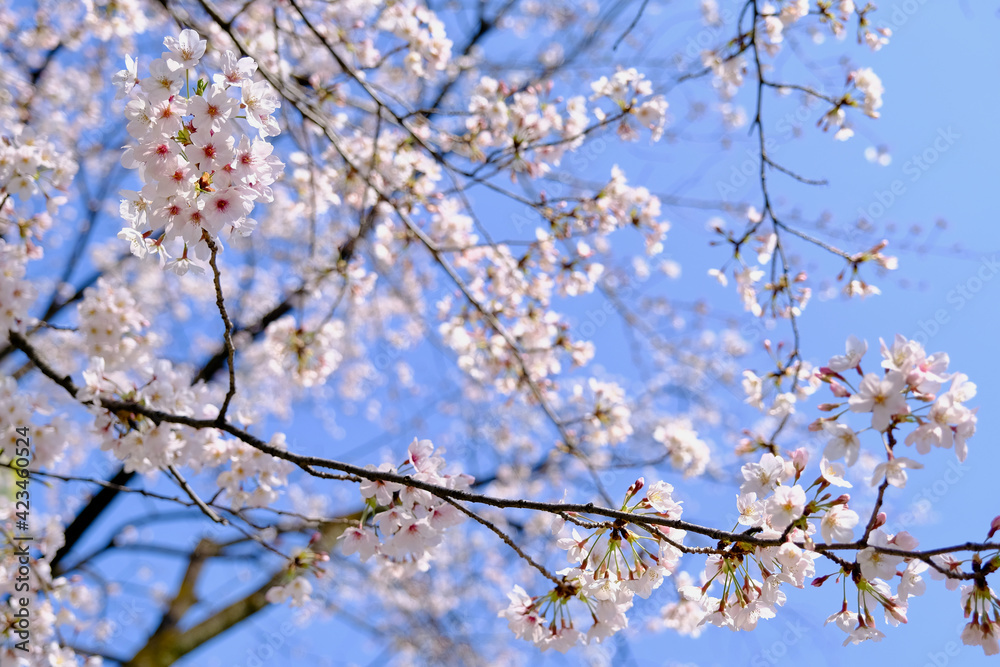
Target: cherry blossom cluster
x: 50, y: 441
x: 682, y: 615
x: 624, y: 88
x: 201, y: 174
x: 122, y: 367
x: 871, y: 578
x: 252, y: 478
x: 727, y: 72
x: 519, y: 293
x: 749, y: 277
x: 16, y: 293
x: 485, y: 355
x: 61, y: 604
x: 613, y: 563
x: 760, y: 297
x: 533, y: 130
x: 298, y: 591
x: 774, y: 21
x: 745, y: 600
x: 870, y: 86
x: 307, y: 356
x: 429, y: 47
x: 684, y: 449
x: 619, y: 205
x: 519, y: 288
x: 838, y: 13
x: 854, y: 285
x: 909, y: 375
x: 864, y: 81
x: 537, y: 135
x: 772, y: 504
x: 982, y: 604
x: 32, y: 166
x: 402, y: 524
x: 607, y: 420
x: 728, y: 65
x: 112, y: 324
x: 778, y: 393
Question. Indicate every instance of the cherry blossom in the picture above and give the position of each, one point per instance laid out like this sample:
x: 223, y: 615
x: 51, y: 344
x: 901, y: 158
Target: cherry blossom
x: 870, y: 85
x: 838, y: 524
x: 187, y: 49
x: 984, y: 628
x: 894, y: 471
x: 763, y: 477
x: 874, y: 564
x: 785, y: 506
x: 882, y: 397
x: 192, y: 170
x: 855, y: 351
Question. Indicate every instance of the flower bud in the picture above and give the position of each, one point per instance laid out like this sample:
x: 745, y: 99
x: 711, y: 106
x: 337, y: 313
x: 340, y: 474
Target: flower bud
x: 800, y: 458
x: 994, y: 527
x: 819, y: 581
x: 839, y: 390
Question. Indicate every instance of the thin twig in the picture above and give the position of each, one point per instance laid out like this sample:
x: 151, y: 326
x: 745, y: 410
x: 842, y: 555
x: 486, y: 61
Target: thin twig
x: 209, y: 512
x: 228, y: 335
x: 506, y: 540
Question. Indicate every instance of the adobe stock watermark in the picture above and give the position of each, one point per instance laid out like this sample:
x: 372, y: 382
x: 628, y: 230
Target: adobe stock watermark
x: 708, y: 36
x: 110, y: 629
x: 776, y: 652
x: 948, y: 653
x: 958, y: 297
x: 943, y: 658
x: 749, y: 169
x: 930, y: 494
x: 900, y: 13
x: 913, y: 169
x: 269, y: 647
x: 725, y: 365
x: 595, y: 319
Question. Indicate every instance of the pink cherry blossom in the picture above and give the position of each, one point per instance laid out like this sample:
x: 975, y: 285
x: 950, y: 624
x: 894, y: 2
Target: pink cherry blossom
x: 883, y: 397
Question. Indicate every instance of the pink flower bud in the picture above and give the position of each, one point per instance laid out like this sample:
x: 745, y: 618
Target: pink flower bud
x: 819, y: 581
x: 818, y: 424
x: 839, y: 390
x: 878, y: 246
x: 994, y: 527
x: 800, y: 458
